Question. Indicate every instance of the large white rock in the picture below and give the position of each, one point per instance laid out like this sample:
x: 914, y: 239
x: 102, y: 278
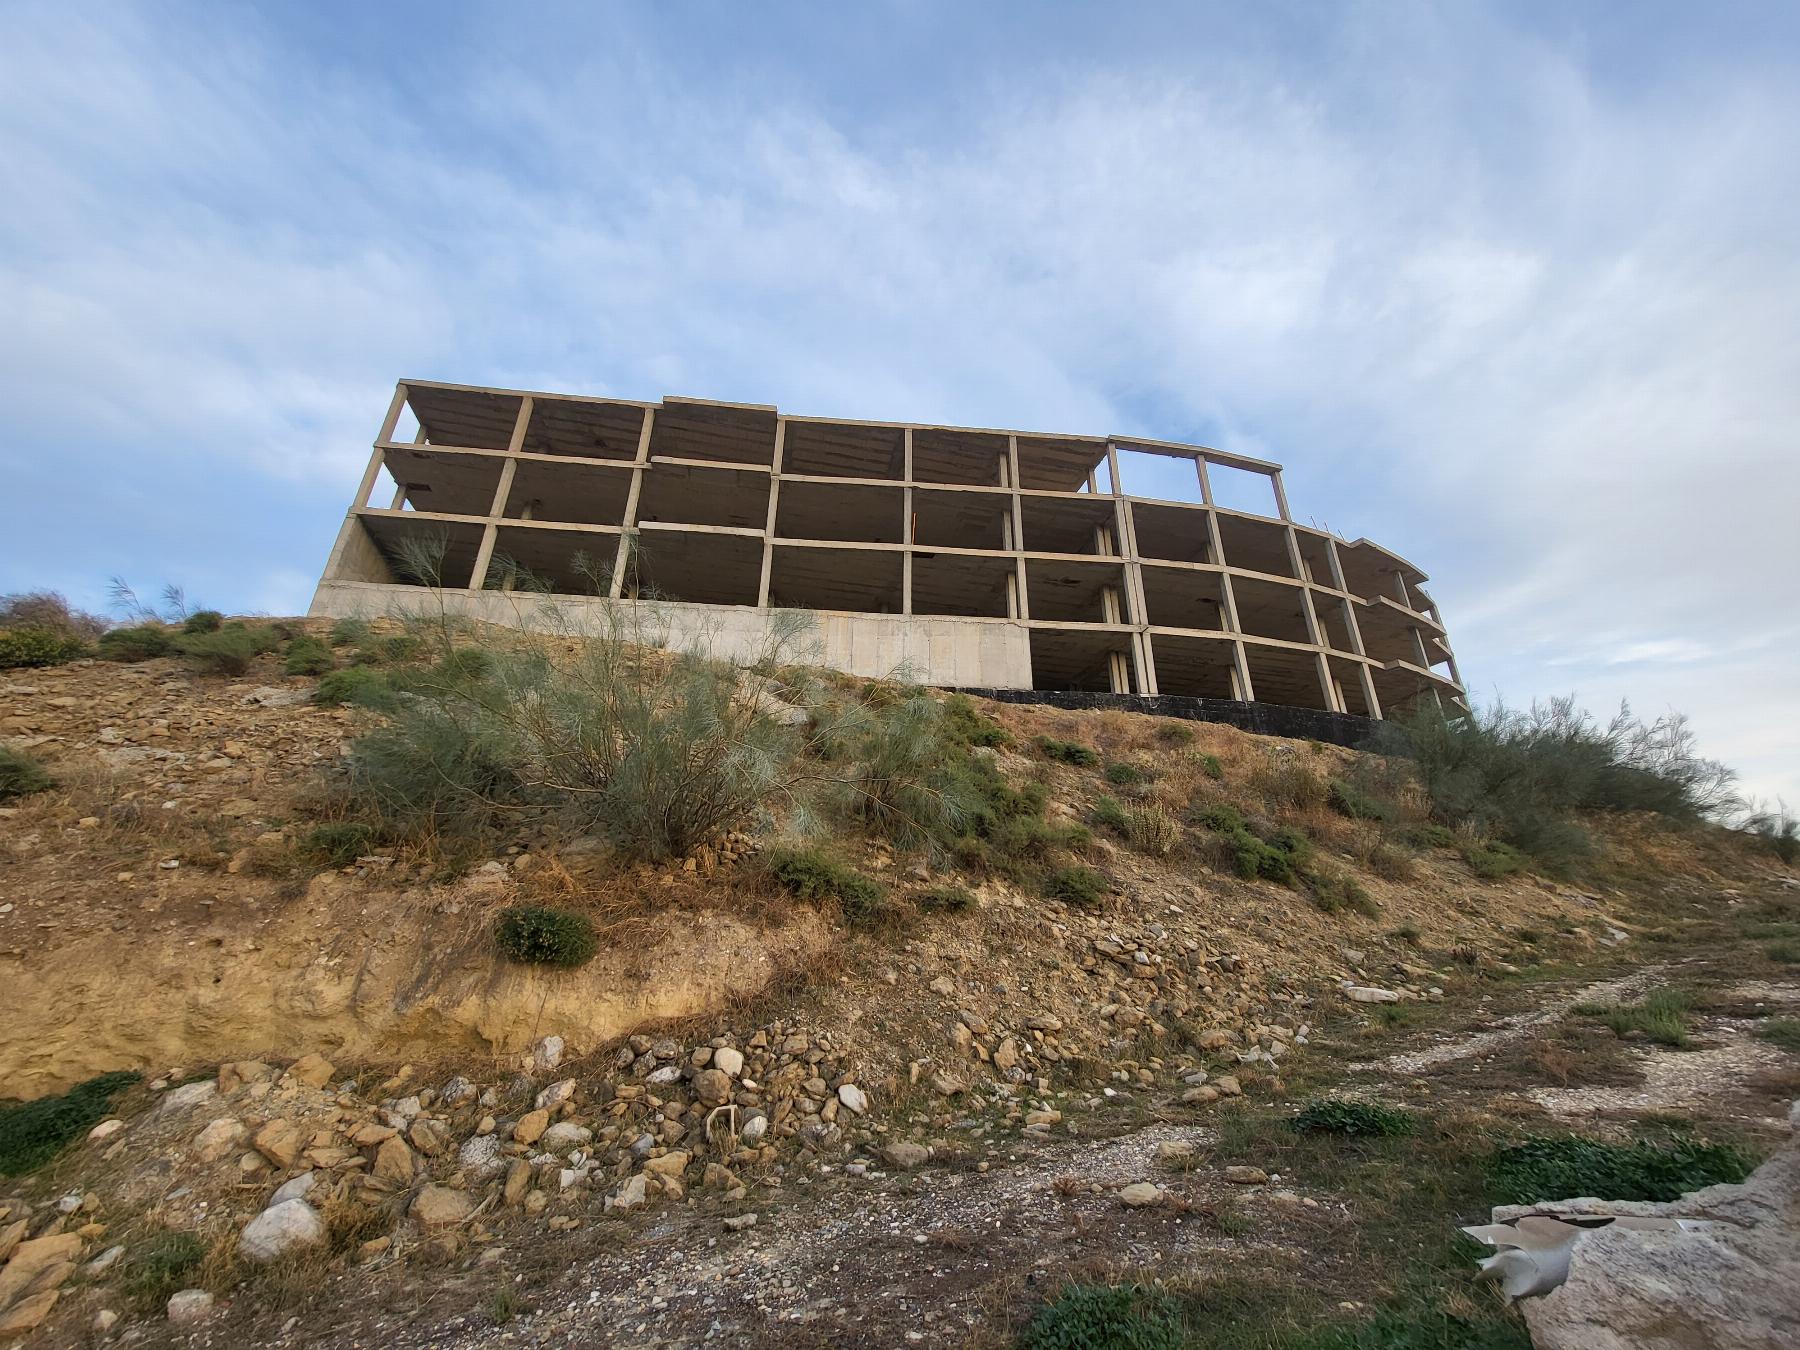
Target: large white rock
x: 188, y: 1095
x: 281, y: 1229
x: 1361, y: 993
x: 297, y: 1189
x: 853, y: 1097
x: 728, y: 1061
x: 190, y: 1306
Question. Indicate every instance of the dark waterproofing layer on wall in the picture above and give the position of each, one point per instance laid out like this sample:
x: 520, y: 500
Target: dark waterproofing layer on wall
x: 1263, y: 719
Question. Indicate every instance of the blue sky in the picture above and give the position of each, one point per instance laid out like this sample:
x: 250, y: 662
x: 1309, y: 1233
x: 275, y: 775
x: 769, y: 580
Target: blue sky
x: 1512, y: 289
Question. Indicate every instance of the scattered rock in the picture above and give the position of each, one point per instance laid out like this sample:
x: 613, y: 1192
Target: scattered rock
x: 188, y: 1095
x: 394, y: 1163
x: 190, y: 1306
x: 1246, y: 1176
x: 279, y: 1141
x: 905, y: 1154
x: 1227, y: 1085
x: 1360, y: 993
x: 712, y: 1087
x: 281, y: 1229
x: 547, y: 1054
x: 563, y: 1136
x: 441, y: 1207
x: 218, y: 1139
x: 738, y: 1223
x: 313, y: 1070
x: 106, y: 1129
x: 297, y: 1189
x: 1140, y: 1194
x: 1174, y: 1150
x: 531, y: 1127
x: 853, y: 1097
x: 728, y: 1061
x: 631, y: 1194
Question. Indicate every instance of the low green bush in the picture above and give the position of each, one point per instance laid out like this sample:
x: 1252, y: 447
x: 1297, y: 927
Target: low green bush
x: 21, y: 775
x: 945, y: 899
x: 1108, y: 813
x: 1349, y: 800
x: 540, y: 936
x: 34, y: 1132
x: 811, y: 875
x: 1786, y: 951
x: 28, y: 648
x: 1076, y: 886
x: 1430, y: 835
x: 966, y: 726
x: 1781, y: 1031
x: 348, y: 633
x: 1150, y: 829
x: 358, y: 685
x: 203, y: 621
x: 1174, y: 733
x: 392, y: 650
x: 1212, y: 766
x: 141, y: 642
x: 161, y: 1266
x: 1067, y: 752
x: 308, y: 656
x: 225, y: 651
x: 1491, y: 860
x: 339, y: 842
x: 1102, y: 1317
x: 1559, y: 1168
x: 1278, y: 855
x: 1336, y: 891
x: 1356, y: 1119
x: 1660, y: 1017
x: 1126, y: 775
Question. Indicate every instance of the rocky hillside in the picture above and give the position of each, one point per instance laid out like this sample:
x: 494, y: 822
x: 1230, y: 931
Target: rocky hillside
x: 347, y: 1091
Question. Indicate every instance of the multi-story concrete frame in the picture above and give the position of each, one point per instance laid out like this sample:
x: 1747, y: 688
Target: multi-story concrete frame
x: 967, y: 557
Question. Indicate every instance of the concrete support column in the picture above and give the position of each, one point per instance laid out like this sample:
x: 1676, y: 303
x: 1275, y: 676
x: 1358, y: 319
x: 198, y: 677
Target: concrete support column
x: 628, y: 523
x: 1363, y: 676
x: 490, y: 533
x: 1281, y: 504
x: 906, y: 529
x: 768, y: 552
x: 1314, y: 633
x: 1018, y: 601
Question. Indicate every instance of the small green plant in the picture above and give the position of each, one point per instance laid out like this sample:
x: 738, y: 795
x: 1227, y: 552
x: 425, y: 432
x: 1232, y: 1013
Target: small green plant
x: 1212, y: 766
x: 1124, y: 775
x: 1356, y: 1119
x: 141, y: 642
x: 1491, y: 860
x: 1174, y: 733
x: 358, y: 685
x: 308, y: 656
x: 339, y: 842
x: 1337, y: 891
x: 1108, y: 813
x: 390, y: 650
x: 966, y: 726
x: 1660, y: 1017
x: 27, y: 648
x: 349, y: 633
x: 228, y: 650
x: 504, y: 1304
x: 1349, y: 800
x: 1429, y: 835
x: 1150, y: 829
x: 1102, y: 1317
x: 34, y: 1132
x: 811, y: 875
x: 203, y: 621
x: 1280, y: 855
x: 165, y: 1264
x: 945, y: 899
x: 1066, y: 752
x: 21, y: 775
x: 1786, y: 951
x: 539, y: 935
x: 1076, y: 886
x: 1781, y: 1031
x: 1557, y: 1168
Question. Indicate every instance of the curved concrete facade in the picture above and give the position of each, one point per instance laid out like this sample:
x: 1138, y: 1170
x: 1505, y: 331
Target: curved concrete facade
x: 959, y: 556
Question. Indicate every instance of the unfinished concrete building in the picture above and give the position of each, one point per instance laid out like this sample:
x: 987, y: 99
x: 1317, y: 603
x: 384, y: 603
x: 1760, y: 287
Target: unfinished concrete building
x: 963, y: 557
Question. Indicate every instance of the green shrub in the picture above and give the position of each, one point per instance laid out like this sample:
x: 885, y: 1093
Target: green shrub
x: 1349, y: 800
x: 945, y: 899
x: 1211, y: 766
x: 969, y: 727
x: 162, y: 1266
x: 225, y: 651
x: 49, y: 612
x: 349, y: 633
x: 339, y: 842
x: 1786, y: 951
x: 1150, y: 829
x: 203, y: 621
x: 393, y: 649
x: 812, y: 875
x: 34, y: 1132
x: 1099, y: 1317
x: 1781, y: 1031
x: 1430, y: 835
x: 1543, y: 1169
x: 21, y: 775
x: 1078, y: 887
x: 1660, y: 1017
x: 1174, y: 733
x: 1126, y: 775
x: 1777, y: 827
x: 1335, y: 891
x: 464, y: 665
x: 1491, y: 860
x: 1066, y: 752
x: 356, y: 685
x: 25, y: 648
x: 1357, y: 1119
x: 142, y: 642
x: 1108, y: 813
x: 540, y: 936
x: 308, y: 656
x: 903, y: 770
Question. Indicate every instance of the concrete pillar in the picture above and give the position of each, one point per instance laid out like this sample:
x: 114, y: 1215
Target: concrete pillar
x: 628, y: 523
x: 1363, y: 676
x: 768, y: 549
x: 907, y: 530
x: 490, y: 533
